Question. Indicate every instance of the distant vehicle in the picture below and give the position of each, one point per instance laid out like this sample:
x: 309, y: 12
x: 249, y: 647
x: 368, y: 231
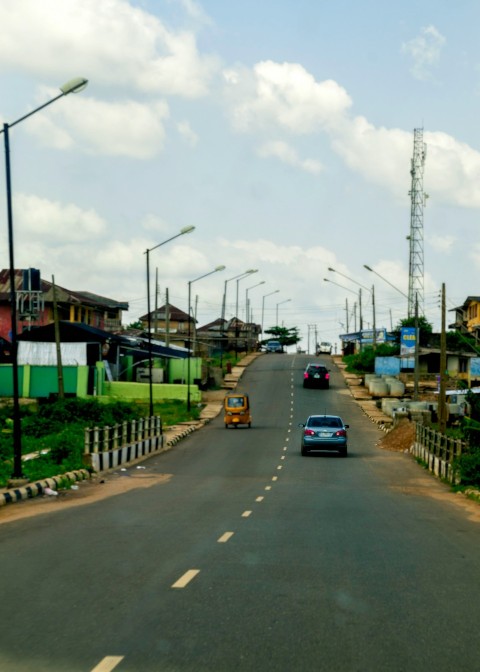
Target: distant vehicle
x: 324, y: 432
x: 324, y: 348
x: 316, y: 375
x: 274, y: 346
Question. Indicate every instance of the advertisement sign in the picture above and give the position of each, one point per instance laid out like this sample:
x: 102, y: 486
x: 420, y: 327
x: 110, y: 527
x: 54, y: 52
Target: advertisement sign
x: 475, y: 367
x: 407, y: 347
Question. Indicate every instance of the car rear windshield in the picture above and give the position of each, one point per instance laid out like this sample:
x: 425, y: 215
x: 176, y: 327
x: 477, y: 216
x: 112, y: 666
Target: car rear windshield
x: 317, y: 369
x: 325, y: 422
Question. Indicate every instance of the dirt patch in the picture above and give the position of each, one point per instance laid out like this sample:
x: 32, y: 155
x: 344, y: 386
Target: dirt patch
x: 400, y: 438
x: 88, y: 492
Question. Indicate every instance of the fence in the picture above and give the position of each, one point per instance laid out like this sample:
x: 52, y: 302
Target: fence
x: 437, y: 450
x: 108, y: 447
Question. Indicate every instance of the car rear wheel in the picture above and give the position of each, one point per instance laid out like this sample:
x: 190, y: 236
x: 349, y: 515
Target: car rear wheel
x: 304, y: 451
x: 343, y: 452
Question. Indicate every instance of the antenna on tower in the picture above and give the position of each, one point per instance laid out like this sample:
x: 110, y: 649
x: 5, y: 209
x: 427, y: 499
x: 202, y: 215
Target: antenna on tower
x: 418, y: 202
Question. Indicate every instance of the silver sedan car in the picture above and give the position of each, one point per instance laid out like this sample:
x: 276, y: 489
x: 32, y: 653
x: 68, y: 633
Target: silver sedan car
x: 324, y: 433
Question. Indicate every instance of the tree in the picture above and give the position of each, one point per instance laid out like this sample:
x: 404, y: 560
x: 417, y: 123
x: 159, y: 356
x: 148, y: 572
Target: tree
x: 424, y: 327
x: 285, y: 336
x: 135, y: 325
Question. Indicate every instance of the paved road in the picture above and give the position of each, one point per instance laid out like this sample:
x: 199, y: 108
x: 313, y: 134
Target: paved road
x: 250, y: 557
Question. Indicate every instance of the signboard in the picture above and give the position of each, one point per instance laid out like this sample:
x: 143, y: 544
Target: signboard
x: 475, y: 366
x: 407, y: 347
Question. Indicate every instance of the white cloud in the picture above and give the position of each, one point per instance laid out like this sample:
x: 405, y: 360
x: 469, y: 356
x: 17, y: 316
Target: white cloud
x: 124, y: 128
x: 195, y: 11
x: 425, y: 50
x: 112, y: 43
x: 285, y: 98
x: 284, y: 94
x: 287, y: 154
x: 187, y: 133
x: 55, y: 222
x: 441, y: 243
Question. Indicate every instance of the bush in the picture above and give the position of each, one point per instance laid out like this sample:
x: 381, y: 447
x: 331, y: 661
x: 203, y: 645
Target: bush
x: 468, y: 467
x: 58, y: 426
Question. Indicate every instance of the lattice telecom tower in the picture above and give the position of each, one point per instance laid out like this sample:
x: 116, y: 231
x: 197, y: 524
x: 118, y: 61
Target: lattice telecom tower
x: 415, y: 270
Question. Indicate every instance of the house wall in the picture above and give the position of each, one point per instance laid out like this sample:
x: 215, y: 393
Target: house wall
x: 37, y: 382
x: 473, y: 315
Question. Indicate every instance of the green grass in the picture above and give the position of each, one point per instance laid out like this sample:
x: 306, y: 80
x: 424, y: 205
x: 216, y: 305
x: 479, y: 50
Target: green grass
x: 59, y: 428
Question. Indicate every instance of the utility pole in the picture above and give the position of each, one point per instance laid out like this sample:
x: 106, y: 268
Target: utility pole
x: 442, y: 397
x: 167, y: 319
x: 61, y: 391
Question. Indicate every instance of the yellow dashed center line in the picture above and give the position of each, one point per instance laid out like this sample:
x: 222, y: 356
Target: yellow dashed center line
x: 245, y: 514
x: 259, y: 499
x: 268, y: 487
x: 225, y: 537
x: 186, y: 578
x: 108, y: 664
x: 274, y: 478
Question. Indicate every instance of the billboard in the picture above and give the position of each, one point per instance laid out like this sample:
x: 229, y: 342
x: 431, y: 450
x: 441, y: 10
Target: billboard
x: 408, y: 341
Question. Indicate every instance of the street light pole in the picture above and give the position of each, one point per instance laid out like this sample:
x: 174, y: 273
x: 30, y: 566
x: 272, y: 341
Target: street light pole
x: 385, y: 280
x: 279, y: 304
x: 72, y: 86
x: 242, y: 277
x: 263, y: 304
x: 190, y: 283
x: 247, y: 310
x: 186, y: 229
x: 372, y: 293
x: 347, y: 289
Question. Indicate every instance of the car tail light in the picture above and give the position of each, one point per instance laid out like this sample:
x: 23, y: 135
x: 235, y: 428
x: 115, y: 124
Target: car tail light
x: 305, y: 375
x: 341, y: 432
x: 309, y: 432
x: 327, y: 376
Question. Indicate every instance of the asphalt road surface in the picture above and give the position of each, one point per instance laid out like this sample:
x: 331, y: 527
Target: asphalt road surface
x: 246, y: 556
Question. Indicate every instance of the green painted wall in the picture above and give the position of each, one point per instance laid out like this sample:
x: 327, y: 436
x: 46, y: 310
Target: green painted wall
x: 178, y: 369
x: 129, y: 391
x: 41, y: 381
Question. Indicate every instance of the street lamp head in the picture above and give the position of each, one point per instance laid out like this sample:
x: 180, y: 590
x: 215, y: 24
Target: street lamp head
x: 220, y: 268
x: 74, y: 85
x: 331, y: 269
x: 187, y: 229
x: 367, y: 267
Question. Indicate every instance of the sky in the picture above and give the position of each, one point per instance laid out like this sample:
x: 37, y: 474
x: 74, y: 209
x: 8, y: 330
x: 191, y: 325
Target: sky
x: 282, y: 131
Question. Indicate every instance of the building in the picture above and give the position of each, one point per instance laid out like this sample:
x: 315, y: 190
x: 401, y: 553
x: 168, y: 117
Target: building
x: 35, y: 305
x: 170, y: 323
x: 467, y: 317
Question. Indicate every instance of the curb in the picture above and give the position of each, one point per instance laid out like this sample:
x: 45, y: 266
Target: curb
x: 38, y: 488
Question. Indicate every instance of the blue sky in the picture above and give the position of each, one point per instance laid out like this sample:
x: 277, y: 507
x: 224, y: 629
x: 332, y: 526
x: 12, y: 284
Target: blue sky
x: 283, y: 131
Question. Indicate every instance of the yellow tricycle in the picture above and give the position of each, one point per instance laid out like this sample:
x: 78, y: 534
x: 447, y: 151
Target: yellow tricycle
x: 237, y: 410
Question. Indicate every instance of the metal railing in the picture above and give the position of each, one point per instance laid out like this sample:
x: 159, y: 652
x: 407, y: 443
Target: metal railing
x: 104, y: 439
x: 438, y: 451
